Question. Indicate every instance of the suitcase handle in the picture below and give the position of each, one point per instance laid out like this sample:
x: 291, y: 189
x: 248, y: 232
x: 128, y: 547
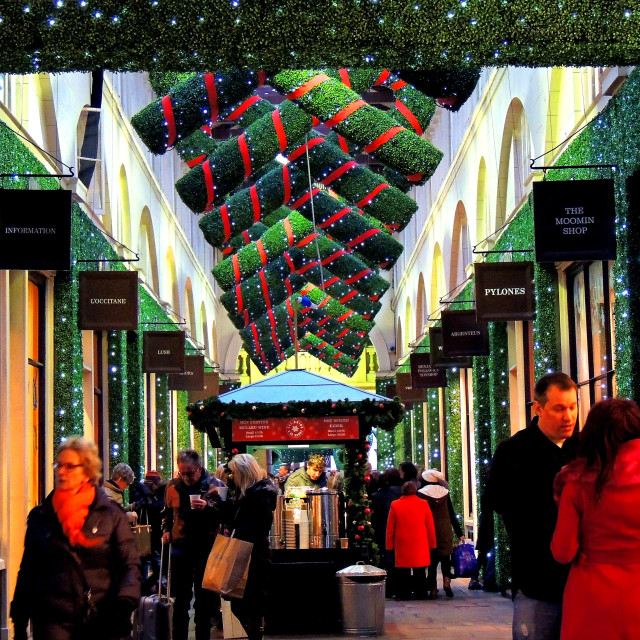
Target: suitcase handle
x: 168, y: 571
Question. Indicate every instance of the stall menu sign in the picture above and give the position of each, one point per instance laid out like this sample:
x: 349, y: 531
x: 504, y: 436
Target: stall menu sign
x: 298, y: 429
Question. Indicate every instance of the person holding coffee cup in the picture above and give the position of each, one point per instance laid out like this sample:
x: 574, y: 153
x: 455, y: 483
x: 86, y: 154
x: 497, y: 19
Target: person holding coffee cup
x: 191, y: 521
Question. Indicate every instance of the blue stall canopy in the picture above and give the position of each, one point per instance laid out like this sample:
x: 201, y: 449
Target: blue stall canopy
x: 298, y: 386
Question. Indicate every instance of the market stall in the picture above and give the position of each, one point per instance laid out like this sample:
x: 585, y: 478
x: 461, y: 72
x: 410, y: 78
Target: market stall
x: 315, y: 533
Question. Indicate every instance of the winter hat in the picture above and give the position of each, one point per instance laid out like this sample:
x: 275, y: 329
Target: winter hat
x: 153, y: 476
x: 432, y: 475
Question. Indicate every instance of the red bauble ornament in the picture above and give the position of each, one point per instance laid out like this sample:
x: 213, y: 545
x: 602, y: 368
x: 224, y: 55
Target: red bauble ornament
x: 222, y: 415
x: 357, y: 537
x: 367, y: 510
x: 367, y: 446
x: 284, y: 408
x: 381, y: 405
x: 359, y: 456
x: 348, y: 504
x: 360, y: 527
x: 333, y: 406
x: 189, y: 413
x: 234, y: 451
x: 367, y: 478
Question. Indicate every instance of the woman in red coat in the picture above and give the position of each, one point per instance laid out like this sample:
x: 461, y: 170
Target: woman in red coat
x: 411, y: 534
x: 598, y: 526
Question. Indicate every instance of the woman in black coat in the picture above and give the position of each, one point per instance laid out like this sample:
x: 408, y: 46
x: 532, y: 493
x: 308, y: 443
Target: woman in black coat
x: 80, y: 572
x: 252, y: 522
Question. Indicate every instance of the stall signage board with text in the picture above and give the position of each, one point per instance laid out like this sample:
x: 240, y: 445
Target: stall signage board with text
x: 406, y: 390
x: 504, y: 291
x: 438, y: 360
x: 211, y: 387
x: 463, y: 335
x: 163, y: 351
x: 423, y: 375
x: 574, y: 220
x: 296, y: 429
x: 108, y: 300
x: 192, y: 378
x: 35, y: 229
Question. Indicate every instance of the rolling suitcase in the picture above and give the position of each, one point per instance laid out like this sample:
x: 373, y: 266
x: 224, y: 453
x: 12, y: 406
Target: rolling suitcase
x: 153, y: 618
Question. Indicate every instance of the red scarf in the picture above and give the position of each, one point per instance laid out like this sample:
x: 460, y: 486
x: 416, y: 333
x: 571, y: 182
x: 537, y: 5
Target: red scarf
x: 72, y: 509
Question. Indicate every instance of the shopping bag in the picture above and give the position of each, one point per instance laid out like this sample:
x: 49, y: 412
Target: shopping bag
x: 228, y: 567
x: 464, y: 562
x: 142, y: 535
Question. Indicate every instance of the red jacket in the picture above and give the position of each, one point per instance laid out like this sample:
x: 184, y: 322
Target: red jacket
x: 602, y: 540
x: 411, y: 532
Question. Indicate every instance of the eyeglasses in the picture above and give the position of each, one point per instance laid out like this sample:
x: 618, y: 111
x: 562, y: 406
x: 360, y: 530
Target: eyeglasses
x: 187, y: 474
x: 67, y: 466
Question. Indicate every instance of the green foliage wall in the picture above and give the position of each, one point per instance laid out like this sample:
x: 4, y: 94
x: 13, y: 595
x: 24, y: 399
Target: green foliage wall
x: 185, y: 36
x: 454, y: 440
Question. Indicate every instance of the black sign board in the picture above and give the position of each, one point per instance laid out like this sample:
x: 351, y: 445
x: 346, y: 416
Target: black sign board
x: 35, y: 229
x: 504, y: 291
x: 192, y: 378
x: 423, y: 375
x: 163, y: 351
x: 406, y: 390
x: 463, y: 335
x: 108, y: 300
x: 211, y: 387
x: 438, y: 359
x: 574, y: 220
x: 391, y: 391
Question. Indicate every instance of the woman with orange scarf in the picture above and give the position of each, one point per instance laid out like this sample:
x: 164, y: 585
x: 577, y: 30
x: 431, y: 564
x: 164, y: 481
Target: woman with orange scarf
x: 80, y: 572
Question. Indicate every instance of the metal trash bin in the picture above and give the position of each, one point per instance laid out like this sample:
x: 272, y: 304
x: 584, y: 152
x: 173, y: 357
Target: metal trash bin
x: 361, y: 588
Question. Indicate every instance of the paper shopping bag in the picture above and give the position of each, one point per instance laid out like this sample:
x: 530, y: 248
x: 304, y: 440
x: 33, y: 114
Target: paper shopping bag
x: 142, y: 535
x: 228, y: 567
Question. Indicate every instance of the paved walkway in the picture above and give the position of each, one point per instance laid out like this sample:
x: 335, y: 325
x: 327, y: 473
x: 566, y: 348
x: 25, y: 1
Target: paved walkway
x: 469, y: 615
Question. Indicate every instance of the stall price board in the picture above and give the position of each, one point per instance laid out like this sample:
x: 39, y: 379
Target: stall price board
x: 298, y: 429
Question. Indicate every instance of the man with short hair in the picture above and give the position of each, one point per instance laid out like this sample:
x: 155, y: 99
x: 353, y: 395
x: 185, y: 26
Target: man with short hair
x: 191, y: 522
x: 520, y: 488
x: 313, y: 476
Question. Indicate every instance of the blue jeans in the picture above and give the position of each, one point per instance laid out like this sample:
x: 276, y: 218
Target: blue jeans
x: 536, y: 619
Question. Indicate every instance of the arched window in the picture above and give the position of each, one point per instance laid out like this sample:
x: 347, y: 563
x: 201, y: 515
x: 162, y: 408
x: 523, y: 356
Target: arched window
x: 148, y: 259
x: 421, y: 307
x: 514, y: 167
x: 460, y: 247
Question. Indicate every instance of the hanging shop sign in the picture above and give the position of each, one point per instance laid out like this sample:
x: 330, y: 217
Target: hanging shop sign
x: 211, y: 387
x: 296, y: 429
x: 192, y: 378
x: 391, y: 391
x: 163, y: 351
x: 504, y: 291
x: 574, y: 220
x: 423, y: 375
x: 463, y: 335
x: 108, y: 300
x: 406, y: 391
x: 35, y: 229
x: 438, y: 359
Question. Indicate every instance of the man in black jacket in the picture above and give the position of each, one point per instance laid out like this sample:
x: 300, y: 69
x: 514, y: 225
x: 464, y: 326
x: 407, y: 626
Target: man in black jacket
x: 520, y: 488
